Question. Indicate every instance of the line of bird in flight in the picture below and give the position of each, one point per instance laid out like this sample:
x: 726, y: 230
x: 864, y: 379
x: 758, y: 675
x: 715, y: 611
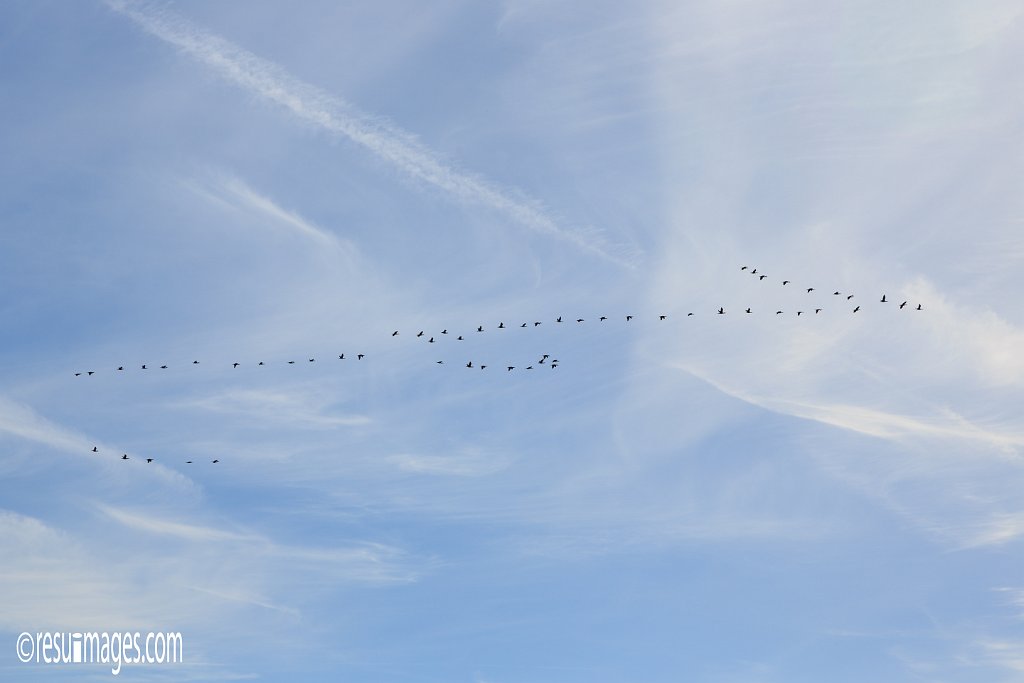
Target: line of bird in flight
x: 95, y: 449
x: 431, y: 339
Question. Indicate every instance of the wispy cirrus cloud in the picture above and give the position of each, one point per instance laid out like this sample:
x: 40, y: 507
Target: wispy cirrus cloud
x: 329, y: 113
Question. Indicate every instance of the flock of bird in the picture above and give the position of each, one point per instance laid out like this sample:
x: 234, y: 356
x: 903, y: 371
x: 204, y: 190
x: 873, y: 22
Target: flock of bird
x: 545, y: 360
x: 95, y: 449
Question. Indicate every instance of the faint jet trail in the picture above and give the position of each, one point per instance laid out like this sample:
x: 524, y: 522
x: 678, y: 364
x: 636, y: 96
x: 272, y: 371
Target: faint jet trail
x: 332, y: 114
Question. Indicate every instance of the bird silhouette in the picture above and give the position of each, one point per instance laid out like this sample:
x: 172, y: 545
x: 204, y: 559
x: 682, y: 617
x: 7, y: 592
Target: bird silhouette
x: 469, y: 364
x: 902, y: 305
x: 918, y: 307
x: 883, y: 299
x: 430, y: 341
x: 799, y: 313
x: 536, y: 324
x: 235, y: 365
x: 785, y: 282
x: 761, y: 277
x: 215, y: 461
x: 260, y: 363
x: 124, y: 457
x: 482, y: 367
x: 835, y: 293
x: 511, y: 368
x: 743, y: 268
x: 778, y: 312
x: 754, y: 271
x: 546, y: 356
x: 529, y: 367
x: 444, y: 331
x: 188, y: 462
x: 817, y: 310
x: 579, y: 320
x: 360, y: 356
x: 395, y: 333
x: 162, y: 367
x: 440, y: 362
x: 312, y: 360
x: 628, y: 318
x: 341, y: 357
x: 78, y: 374
x: 149, y: 459
x: 90, y: 373
x: 603, y: 318
x: 810, y: 289
x: 195, y: 362
x: 143, y: 367
x: 291, y: 362
x: 120, y: 367
x: 856, y: 309
x: 95, y: 450
x: 523, y: 325
x: 688, y: 315
x: 459, y: 338
x: 420, y: 334
x: 501, y: 326
x: 662, y: 317
x: 748, y: 310
x: 480, y: 328
x: 721, y: 311
x: 559, y: 319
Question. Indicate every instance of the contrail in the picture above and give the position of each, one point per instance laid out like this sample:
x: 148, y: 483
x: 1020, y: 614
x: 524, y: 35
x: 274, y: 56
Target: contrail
x: 332, y: 114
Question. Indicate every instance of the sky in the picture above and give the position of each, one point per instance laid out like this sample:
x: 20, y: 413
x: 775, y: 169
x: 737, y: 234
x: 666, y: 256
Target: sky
x: 717, y: 498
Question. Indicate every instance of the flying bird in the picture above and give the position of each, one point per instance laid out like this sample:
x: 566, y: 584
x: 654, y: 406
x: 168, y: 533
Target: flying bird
x: 420, y: 334
x: 360, y: 356
x: 536, y: 324
x: 579, y: 320
x: 124, y: 457
x: 444, y: 331
x: 856, y: 309
x: 143, y: 367
x: 902, y: 305
x: 778, y: 312
x: 799, y: 313
x: 260, y: 363
x: 785, y: 282
x: 523, y: 325
x: 810, y: 289
x: 235, y: 365
x: 501, y: 326
x: 743, y: 268
x: 688, y: 315
x: 835, y: 293
x: 459, y: 338
x: 430, y: 341
x: 849, y: 297
x: 162, y: 367
x: 440, y: 362
x: 721, y: 311
x: 90, y: 372
x: 195, y: 362
x: 883, y: 299
x: 603, y: 318
x: 480, y: 328
x: 628, y: 318
x: 748, y: 310
x: 95, y: 450
x: 149, y: 459
x: 511, y: 368
x: 291, y: 362
x: 215, y: 461
x: 761, y: 277
x: 662, y: 317
x: 559, y: 319
x: 312, y: 360
x: 188, y: 462
x: 120, y: 367
x: 482, y: 367
x: 817, y: 310
x: 341, y: 357
x: 754, y: 271
x: 919, y: 307
x: 469, y: 364
x: 395, y: 333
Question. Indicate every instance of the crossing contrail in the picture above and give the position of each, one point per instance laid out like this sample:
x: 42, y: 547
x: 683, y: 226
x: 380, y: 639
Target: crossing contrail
x: 334, y: 115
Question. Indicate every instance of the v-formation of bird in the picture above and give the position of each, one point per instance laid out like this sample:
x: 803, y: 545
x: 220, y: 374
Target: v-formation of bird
x: 432, y: 339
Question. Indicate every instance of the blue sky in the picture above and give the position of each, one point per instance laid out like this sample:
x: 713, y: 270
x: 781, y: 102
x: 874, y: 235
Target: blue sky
x: 724, y: 499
